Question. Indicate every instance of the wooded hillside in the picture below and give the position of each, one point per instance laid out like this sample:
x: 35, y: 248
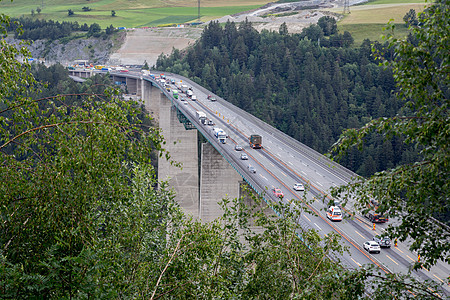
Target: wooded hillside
x: 311, y: 86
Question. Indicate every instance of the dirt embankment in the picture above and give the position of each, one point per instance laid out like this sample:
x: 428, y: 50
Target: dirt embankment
x: 147, y: 44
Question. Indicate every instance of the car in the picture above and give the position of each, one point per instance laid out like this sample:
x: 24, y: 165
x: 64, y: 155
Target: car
x: 298, y: 187
x: 211, y: 123
x: 212, y: 98
x: 244, y: 156
x: 193, y: 98
x: 183, y: 99
x: 371, y: 246
x: 251, y: 169
x: 382, y: 240
x: 238, y: 148
x: 277, y: 193
x: 334, y: 213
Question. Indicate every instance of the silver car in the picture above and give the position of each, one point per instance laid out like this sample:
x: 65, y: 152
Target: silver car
x: 251, y: 169
x: 244, y: 156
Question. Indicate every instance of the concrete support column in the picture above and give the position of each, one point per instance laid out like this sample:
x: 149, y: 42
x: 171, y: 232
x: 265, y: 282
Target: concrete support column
x: 182, y: 146
x: 218, y: 180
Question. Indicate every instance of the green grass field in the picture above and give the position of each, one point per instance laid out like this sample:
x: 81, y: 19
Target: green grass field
x: 129, y: 14
x: 366, y: 21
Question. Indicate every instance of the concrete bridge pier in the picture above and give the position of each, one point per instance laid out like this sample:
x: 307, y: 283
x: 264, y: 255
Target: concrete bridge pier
x: 218, y: 180
x: 182, y: 146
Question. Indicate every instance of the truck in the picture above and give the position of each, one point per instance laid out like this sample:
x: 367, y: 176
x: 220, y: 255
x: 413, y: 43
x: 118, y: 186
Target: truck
x: 373, y: 215
x: 189, y: 93
x: 201, y: 116
x: 175, y: 94
x: 183, y: 88
x: 255, y: 141
x: 220, y: 134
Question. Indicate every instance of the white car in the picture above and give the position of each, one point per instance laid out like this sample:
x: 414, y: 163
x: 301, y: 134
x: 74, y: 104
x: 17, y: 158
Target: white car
x: 194, y: 98
x: 372, y: 246
x: 299, y: 187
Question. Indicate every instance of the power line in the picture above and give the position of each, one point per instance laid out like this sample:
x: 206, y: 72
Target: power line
x: 346, y: 7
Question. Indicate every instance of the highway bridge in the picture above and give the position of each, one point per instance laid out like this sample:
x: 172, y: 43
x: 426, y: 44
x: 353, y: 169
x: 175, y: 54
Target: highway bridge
x: 281, y: 162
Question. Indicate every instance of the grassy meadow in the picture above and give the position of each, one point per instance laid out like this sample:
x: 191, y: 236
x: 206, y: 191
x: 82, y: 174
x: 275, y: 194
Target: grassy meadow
x: 137, y: 13
x: 366, y: 21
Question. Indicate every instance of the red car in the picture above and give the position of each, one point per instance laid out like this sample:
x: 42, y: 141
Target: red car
x: 277, y: 192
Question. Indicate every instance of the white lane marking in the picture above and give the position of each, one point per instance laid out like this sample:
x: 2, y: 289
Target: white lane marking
x: 284, y: 174
x: 304, y: 173
x: 304, y: 164
x: 317, y: 226
x: 270, y: 142
x: 307, y: 218
x: 438, y: 278
x: 409, y: 257
x: 392, y: 259
x: 263, y: 177
x: 291, y: 155
x: 360, y: 234
x: 290, y: 163
x: 272, y: 165
x: 319, y: 183
x: 278, y: 154
x: 260, y: 154
x: 335, y: 184
x: 356, y: 262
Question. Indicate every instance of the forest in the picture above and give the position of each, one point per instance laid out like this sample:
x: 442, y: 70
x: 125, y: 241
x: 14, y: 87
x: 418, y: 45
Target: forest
x: 311, y: 85
x: 36, y: 29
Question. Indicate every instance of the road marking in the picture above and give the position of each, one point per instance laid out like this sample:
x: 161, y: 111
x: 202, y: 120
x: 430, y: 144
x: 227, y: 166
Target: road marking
x: 304, y: 164
x: 272, y: 165
x: 392, y: 259
x: 409, y: 257
x: 291, y: 155
x: 356, y: 262
x: 360, y: 234
x: 290, y: 163
x: 438, y: 278
x: 425, y: 268
x: 307, y: 218
x: 319, y: 183
x: 260, y: 154
x: 335, y: 184
x: 303, y: 172
x: 263, y: 177
x: 399, y: 250
x: 318, y: 226
x: 284, y: 174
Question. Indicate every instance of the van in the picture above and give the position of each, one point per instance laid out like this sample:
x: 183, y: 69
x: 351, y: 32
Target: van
x: 334, y: 213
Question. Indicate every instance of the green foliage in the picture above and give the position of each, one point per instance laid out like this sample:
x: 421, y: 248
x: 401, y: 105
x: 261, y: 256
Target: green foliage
x: 416, y: 192
x: 70, y: 12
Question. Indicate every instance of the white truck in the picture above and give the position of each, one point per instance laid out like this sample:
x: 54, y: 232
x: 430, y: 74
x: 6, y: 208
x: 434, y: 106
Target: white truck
x: 201, y: 116
x: 220, y: 134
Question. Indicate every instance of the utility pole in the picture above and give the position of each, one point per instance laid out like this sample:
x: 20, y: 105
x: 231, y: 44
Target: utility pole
x: 346, y: 7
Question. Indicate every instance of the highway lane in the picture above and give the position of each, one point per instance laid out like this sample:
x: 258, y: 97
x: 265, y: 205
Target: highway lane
x: 284, y: 161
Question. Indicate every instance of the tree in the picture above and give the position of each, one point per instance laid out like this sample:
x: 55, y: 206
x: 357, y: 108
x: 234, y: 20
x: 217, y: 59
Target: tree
x: 410, y: 18
x: 113, y: 13
x: 145, y: 66
x: 328, y: 25
x: 110, y: 29
x: 38, y: 10
x: 94, y: 28
x: 283, y: 29
x: 32, y: 12
x: 70, y: 12
x: 86, y: 8
x: 415, y: 193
